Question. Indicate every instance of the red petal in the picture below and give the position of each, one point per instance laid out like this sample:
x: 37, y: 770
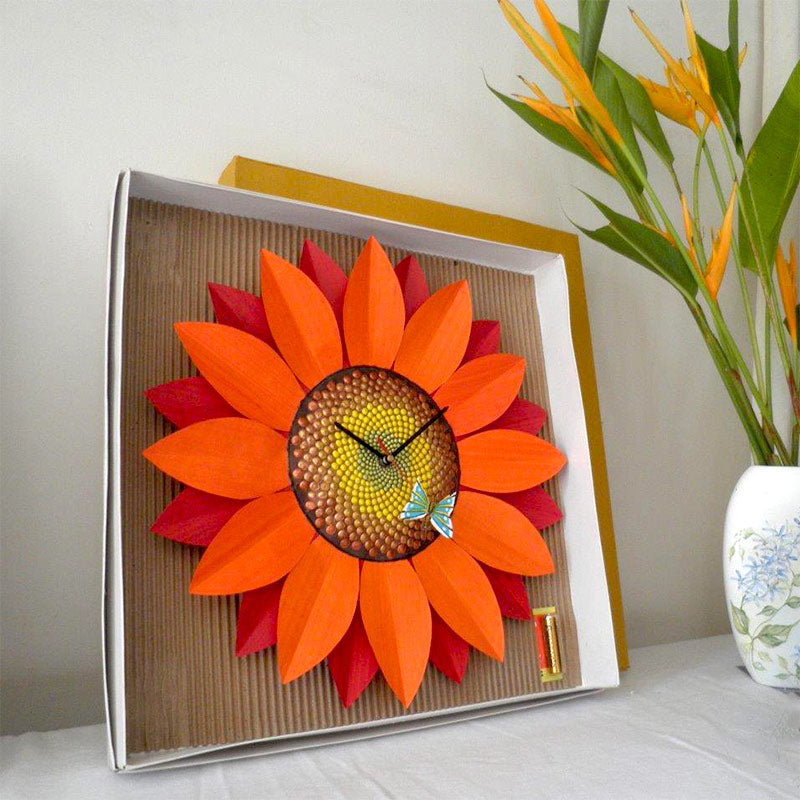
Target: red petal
x: 352, y: 663
x: 510, y: 591
x: 449, y: 652
x: 484, y: 339
x: 189, y: 400
x: 257, y: 628
x: 195, y: 517
x: 240, y: 310
x: 521, y: 416
x: 327, y: 274
x: 413, y: 283
x: 536, y: 505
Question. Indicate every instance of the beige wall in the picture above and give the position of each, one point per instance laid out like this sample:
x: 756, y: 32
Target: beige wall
x: 385, y: 93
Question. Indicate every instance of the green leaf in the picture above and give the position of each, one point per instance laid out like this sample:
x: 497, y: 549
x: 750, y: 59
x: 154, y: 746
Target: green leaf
x: 783, y: 675
x: 759, y: 667
x: 793, y: 602
x: 638, y: 103
x: 771, y: 174
x: 796, y: 579
x: 741, y: 621
x: 547, y: 128
x: 610, y: 95
x: 773, y: 635
x: 731, y: 551
x: 768, y: 611
x: 784, y: 664
x: 645, y: 246
x: 797, y: 317
x: 765, y: 656
x: 733, y: 33
x: 723, y: 81
x: 591, y: 18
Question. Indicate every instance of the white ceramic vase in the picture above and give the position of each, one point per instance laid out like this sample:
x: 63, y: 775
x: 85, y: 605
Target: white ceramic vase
x: 762, y: 573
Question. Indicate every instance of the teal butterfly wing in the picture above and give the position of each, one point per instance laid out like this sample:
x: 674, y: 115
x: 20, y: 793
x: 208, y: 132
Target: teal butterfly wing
x: 441, y: 515
x: 418, y: 506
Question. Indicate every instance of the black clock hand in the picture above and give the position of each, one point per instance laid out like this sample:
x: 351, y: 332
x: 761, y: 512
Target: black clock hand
x: 359, y: 440
x: 419, y: 431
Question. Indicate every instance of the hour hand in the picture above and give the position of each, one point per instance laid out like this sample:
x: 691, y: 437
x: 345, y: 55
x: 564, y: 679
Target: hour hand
x: 358, y: 439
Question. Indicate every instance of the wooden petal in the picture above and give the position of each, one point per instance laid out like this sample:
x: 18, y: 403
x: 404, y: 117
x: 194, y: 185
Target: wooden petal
x: 259, y: 545
x: 352, y: 663
x: 480, y: 391
x: 241, y: 310
x: 232, y: 457
x: 449, y: 652
x: 195, y: 517
x: 436, y: 337
x: 257, y: 626
x: 522, y: 416
x: 536, y: 505
x: 326, y: 274
x: 189, y: 400
x: 497, y: 534
x: 248, y: 373
x: 484, y: 339
x: 317, y: 607
x: 301, y: 320
x: 507, y: 461
x: 397, y: 619
x: 412, y: 283
x: 374, y: 313
x: 461, y: 595
x: 512, y: 597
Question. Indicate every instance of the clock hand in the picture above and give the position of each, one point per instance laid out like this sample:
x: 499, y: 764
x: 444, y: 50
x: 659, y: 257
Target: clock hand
x: 359, y: 440
x: 419, y: 431
x: 388, y: 458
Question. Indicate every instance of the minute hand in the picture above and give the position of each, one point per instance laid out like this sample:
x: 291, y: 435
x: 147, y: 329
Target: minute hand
x: 421, y: 430
x: 358, y: 439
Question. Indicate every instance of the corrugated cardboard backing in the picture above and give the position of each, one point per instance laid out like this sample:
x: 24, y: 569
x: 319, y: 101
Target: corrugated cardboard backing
x: 184, y: 685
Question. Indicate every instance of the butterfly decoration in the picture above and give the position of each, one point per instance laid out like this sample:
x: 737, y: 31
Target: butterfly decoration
x: 419, y: 507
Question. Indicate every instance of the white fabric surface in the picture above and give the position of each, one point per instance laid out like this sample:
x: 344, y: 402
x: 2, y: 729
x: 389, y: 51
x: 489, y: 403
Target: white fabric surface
x: 686, y: 723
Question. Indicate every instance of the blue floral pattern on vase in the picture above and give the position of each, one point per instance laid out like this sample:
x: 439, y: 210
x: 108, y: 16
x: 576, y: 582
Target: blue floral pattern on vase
x: 764, y: 598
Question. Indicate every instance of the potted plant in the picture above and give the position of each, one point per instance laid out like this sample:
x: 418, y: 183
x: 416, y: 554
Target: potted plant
x: 607, y: 113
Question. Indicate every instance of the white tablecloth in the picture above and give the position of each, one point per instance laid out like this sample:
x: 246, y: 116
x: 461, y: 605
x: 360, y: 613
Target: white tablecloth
x: 686, y: 723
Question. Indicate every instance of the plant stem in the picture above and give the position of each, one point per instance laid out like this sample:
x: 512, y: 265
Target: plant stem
x: 746, y: 301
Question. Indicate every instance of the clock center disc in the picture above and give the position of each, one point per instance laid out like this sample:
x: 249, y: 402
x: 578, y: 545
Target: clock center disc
x: 348, y: 490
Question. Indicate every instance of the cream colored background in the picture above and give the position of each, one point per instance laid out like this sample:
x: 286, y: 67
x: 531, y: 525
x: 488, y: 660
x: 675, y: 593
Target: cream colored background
x: 385, y: 93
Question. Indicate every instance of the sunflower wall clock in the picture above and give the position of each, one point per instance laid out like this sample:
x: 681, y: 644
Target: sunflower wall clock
x: 350, y: 487
x: 368, y: 445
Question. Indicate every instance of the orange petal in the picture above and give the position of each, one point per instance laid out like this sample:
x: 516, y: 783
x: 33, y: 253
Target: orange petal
x: 231, y: 456
x: 248, y: 373
x: 317, y: 605
x: 507, y: 461
x: 480, y: 391
x: 497, y: 534
x: 397, y: 619
x: 374, y: 311
x: 461, y: 594
x: 436, y: 337
x: 301, y: 319
x: 257, y: 546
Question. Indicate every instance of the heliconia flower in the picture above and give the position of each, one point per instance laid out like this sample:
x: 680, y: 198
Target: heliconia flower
x: 694, y: 79
x: 302, y: 515
x: 720, y: 249
x: 672, y: 102
x: 787, y: 283
x: 695, y: 58
x: 742, y: 54
x: 560, y: 61
x: 566, y: 117
x: 689, y: 229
